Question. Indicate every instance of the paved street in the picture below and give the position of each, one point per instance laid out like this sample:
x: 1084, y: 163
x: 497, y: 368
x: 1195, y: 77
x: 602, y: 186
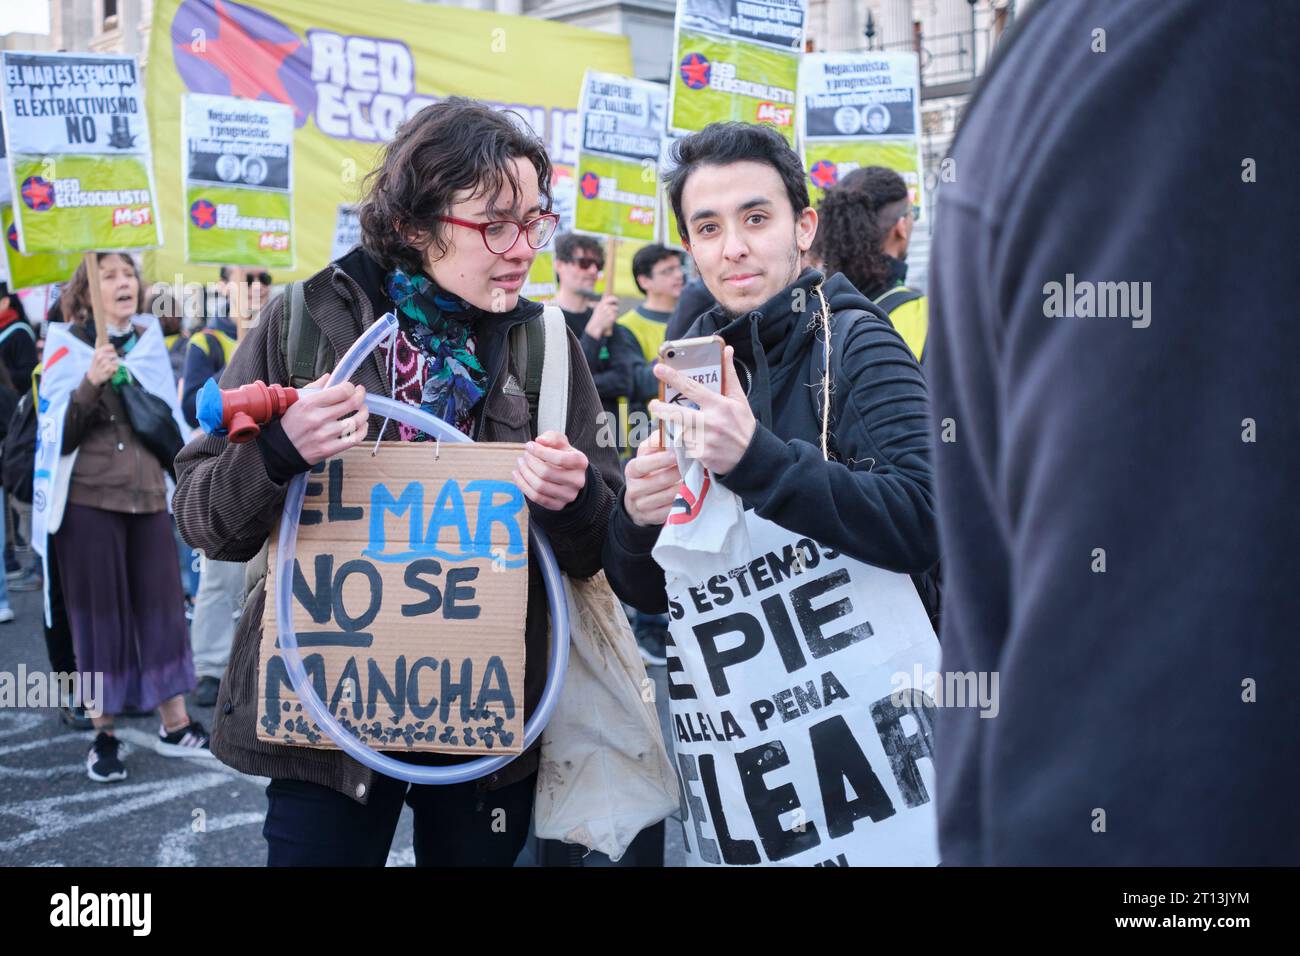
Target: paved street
x: 168, y: 812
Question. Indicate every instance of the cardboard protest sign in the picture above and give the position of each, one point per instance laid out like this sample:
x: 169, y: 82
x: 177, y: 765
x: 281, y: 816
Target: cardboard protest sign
x: 618, y: 156
x: 237, y: 157
x: 410, y: 591
x: 795, y: 743
x: 860, y: 109
x: 737, y: 60
x: 78, y: 144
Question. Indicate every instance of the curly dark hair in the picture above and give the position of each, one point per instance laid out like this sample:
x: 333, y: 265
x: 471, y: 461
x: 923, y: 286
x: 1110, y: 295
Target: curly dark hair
x: 852, y: 221
x: 456, y: 144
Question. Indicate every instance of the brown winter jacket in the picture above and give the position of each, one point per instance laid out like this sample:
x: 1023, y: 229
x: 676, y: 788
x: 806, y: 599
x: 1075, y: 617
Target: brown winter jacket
x: 226, y: 505
x: 113, y: 471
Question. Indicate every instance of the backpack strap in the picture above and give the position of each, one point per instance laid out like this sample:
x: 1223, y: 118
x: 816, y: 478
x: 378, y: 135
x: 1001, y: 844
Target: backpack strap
x: 540, y: 350
x: 19, y: 324
x: 301, y: 343
x: 526, y: 348
x: 553, y: 377
x: 897, y: 296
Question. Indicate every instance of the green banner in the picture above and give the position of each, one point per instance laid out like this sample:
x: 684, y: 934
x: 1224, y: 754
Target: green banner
x: 40, y: 268
x: 725, y: 79
x: 830, y: 161
x: 228, y: 225
x: 352, y: 73
x: 616, y: 197
x: 84, y: 203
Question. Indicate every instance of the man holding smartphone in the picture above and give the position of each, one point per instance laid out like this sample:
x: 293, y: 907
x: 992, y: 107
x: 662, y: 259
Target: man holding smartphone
x: 741, y: 202
x: 829, y: 466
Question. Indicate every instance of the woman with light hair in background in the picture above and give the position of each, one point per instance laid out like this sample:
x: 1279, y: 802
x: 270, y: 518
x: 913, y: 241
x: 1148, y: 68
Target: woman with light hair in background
x: 114, y: 549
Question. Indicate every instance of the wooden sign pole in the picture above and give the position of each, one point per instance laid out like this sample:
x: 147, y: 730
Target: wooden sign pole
x: 611, y: 262
x: 237, y: 297
x: 91, y: 261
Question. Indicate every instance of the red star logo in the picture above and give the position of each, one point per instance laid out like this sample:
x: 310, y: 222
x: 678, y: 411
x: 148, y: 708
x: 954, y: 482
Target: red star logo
x: 590, y: 185
x: 203, y: 213
x: 823, y: 174
x: 38, y: 193
x: 695, y: 71
x: 12, y: 236
x: 251, y: 65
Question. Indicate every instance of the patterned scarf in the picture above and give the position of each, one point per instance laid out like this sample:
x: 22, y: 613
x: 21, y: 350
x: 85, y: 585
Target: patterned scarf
x: 437, y: 327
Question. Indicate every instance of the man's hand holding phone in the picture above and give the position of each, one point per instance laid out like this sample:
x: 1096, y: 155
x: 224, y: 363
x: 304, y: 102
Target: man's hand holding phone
x: 719, y: 432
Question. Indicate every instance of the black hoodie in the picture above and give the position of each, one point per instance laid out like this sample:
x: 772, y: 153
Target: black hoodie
x: 872, y: 500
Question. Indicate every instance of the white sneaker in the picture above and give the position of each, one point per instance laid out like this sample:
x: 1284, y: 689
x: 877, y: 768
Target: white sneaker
x: 6, y: 615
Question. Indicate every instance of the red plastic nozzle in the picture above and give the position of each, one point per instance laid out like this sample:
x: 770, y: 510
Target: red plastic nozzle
x: 246, y: 409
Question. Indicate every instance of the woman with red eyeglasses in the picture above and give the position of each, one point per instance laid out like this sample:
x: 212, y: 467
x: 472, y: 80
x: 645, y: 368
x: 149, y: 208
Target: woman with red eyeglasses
x: 452, y: 221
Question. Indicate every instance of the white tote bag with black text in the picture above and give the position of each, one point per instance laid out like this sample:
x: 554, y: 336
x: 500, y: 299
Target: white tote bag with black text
x: 796, y: 741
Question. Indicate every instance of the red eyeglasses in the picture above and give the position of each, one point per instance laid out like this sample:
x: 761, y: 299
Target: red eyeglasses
x: 501, y: 235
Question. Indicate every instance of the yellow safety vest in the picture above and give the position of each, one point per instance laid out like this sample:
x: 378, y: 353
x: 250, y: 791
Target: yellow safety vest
x: 202, y: 339
x: 911, y: 319
x: 649, y: 332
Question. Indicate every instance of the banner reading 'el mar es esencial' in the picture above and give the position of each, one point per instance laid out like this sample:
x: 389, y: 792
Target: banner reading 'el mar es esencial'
x: 78, y: 144
x: 352, y: 73
x: 737, y: 60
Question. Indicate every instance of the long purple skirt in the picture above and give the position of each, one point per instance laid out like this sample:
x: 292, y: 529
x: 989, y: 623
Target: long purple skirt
x: 122, y: 589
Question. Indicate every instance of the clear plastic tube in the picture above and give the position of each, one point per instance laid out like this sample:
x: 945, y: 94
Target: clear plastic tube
x: 555, y: 595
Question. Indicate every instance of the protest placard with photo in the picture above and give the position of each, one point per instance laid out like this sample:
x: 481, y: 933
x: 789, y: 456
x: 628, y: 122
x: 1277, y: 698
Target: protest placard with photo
x: 409, y: 596
x: 736, y: 60
x: 237, y: 157
x: 79, y: 161
x: 860, y: 109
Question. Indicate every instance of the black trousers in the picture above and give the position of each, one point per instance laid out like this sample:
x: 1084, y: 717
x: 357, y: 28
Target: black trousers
x: 311, y: 825
x: 58, y: 637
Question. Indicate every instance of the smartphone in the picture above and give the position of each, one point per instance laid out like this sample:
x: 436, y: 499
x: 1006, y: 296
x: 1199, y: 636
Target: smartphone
x: 699, y: 359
